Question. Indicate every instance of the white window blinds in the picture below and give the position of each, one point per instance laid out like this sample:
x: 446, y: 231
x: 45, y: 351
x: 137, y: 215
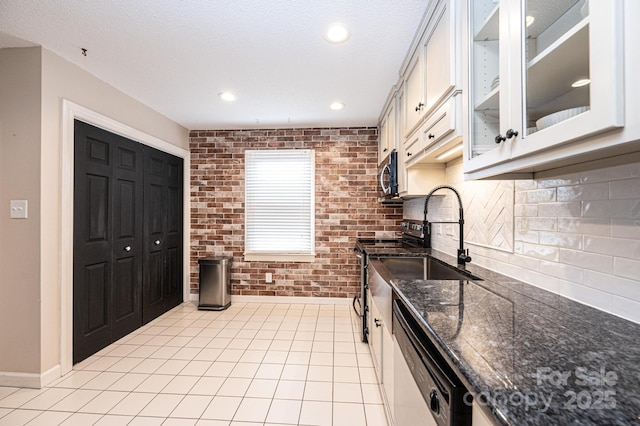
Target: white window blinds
x: 279, y: 202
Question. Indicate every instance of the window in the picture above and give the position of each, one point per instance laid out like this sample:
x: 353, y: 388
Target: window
x: 280, y: 205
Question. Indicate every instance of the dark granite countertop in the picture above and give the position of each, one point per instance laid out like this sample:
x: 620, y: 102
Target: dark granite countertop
x: 529, y: 357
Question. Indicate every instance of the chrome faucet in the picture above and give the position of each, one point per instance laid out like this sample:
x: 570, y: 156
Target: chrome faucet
x: 463, y: 255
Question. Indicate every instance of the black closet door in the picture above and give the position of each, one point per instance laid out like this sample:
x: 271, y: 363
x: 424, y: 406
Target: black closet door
x: 163, y: 180
x: 108, y: 239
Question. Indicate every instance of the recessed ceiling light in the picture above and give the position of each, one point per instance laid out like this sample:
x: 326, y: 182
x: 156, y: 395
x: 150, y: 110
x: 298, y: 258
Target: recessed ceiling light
x: 581, y: 82
x: 227, y: 96
x: 336, y: 106
x: 337, y: 33
x: 529, y: 20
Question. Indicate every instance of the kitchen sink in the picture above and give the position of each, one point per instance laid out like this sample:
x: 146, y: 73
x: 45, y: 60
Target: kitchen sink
x: 423, y: 268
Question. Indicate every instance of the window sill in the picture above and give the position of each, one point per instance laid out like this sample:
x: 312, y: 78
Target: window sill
x: 265, y: 257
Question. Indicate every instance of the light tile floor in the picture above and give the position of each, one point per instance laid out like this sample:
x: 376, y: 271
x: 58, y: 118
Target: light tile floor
x: 253, y: 364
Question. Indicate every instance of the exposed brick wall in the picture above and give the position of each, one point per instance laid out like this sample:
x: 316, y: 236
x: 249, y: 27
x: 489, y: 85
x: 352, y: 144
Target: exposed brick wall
x: 346, y: 208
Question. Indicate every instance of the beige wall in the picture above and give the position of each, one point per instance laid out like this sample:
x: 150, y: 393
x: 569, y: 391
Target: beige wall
x: 20, y: 238
x: 59, y: 80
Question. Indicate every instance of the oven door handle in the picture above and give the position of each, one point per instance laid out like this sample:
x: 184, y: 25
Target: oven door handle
x: 429, y: 363
x: 357, y: 299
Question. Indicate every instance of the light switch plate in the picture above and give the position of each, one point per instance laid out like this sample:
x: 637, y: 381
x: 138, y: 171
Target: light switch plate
x: 18, y: 209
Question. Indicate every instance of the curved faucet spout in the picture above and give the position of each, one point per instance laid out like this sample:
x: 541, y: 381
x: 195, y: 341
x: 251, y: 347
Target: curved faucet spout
x: 437, y: 188
x: 463, y: 255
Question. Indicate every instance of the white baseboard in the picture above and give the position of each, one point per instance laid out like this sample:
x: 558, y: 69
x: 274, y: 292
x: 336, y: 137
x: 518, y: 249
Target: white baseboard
x: 292, y: 300
x: 284, y: 299
x: 29, y: 380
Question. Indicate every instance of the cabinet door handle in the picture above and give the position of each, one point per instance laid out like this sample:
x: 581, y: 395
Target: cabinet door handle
x: 510, y: 134
x: 419, y: 107
x: 378, y: 322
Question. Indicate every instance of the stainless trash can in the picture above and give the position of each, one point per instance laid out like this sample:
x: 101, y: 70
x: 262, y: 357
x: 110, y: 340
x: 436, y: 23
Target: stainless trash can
x: 215, y: 291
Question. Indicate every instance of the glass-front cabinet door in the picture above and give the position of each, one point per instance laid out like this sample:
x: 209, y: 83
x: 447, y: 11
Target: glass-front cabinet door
x: 487, y: 83
x: 542, y: 73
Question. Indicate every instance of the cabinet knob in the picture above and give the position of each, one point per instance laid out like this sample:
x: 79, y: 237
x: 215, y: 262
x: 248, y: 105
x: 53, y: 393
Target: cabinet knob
x: 127, y: 248
x: 385, y: 150
x: 378, y: 322
x: 156, y: 242
x: 508, y: 135
x: 409, y: 154
x: 419, y: 107
x: 431, y: 136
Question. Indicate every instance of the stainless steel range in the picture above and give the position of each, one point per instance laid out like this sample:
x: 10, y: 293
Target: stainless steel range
x: 412, y: 237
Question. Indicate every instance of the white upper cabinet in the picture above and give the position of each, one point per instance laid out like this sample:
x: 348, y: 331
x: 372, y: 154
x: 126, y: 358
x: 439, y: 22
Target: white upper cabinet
x: 387, y: 133
x: 414, y: 96
x: 440, y: 58
x: 430, y: 72
x: 542, y: 74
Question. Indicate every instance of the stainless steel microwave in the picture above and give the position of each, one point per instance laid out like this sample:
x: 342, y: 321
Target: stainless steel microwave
x: 388, y: 176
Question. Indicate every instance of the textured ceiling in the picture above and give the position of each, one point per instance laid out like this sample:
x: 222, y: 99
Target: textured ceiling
x: 177, y: 55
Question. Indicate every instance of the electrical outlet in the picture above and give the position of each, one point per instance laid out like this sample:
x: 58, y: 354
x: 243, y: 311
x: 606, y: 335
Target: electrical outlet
x: 19, y: 209
x: 268, y: 277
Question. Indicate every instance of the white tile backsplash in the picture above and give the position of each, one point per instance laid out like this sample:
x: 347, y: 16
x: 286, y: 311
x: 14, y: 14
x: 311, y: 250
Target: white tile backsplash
x: 626, y: 268
x: 577, y: 235
x: 614, y: 209
x: 625, y: 228
x: 612, y: 284
x: 585, y: 226
x: 560, y: 209
x: 584, y: 260
x: 559, y: 239
x: 594, y: 191
x: 619, y: 247
x: 573, y: 179
x: 541, y: 252
x: 628, y: 188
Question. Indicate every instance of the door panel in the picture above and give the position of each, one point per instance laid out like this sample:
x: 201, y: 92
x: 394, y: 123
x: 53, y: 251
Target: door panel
x: 97, y: 208
x: 162, y: 289
x: 126, y: 277
x: 154, y: 273
x: 173, y: 272
x: 107, y: 239
x: 95, y: 297
x: 127, y: 237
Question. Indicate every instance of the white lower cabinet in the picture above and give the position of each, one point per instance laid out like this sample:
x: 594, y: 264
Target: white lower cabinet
x: 380, y: 339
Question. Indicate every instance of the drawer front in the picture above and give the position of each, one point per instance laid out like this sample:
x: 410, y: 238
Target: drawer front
x: 440, y: 124
x: 437, y: 127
